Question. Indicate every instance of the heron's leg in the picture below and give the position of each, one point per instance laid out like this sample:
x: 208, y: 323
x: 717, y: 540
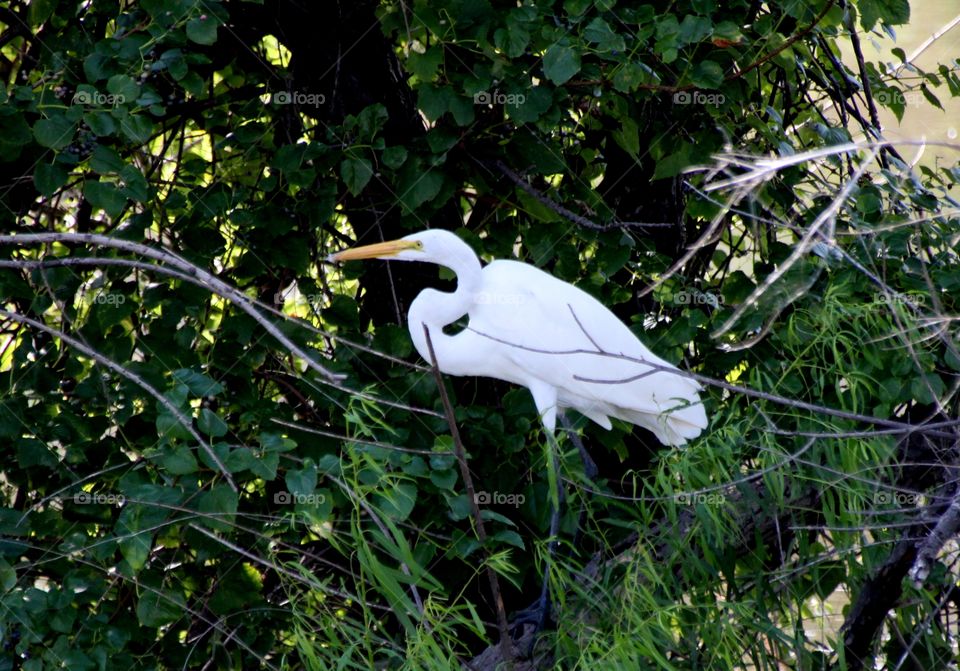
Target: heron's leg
x: 538, y: 613
x: 589, y: 467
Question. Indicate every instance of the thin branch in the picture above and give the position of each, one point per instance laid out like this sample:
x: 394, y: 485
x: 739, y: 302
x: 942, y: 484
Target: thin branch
x: 132, y: 377
x: 505, y: 639
x: 568, y: 214
x: 753, y: 393
x: 212, y: 283
x: 927, y: 550
x: 163, y: 270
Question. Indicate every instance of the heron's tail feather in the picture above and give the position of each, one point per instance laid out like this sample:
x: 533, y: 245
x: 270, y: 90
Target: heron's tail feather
x: 674, y: 427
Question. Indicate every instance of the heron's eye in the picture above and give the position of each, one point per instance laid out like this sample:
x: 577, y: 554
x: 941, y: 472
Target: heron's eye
x: 419, y: 244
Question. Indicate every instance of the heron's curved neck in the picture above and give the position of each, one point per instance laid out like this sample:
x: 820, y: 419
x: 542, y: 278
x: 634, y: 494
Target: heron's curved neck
x: 436, y: 309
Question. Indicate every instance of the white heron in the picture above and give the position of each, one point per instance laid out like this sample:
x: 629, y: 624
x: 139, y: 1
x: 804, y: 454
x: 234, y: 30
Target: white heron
x: 529, y: 328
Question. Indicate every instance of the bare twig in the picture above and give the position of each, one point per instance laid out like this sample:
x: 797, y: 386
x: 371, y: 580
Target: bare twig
x: 929, y: 547
x: 506, y: 643
x: 210, y: 281
x: 568, y: 214
x: 133, y: 377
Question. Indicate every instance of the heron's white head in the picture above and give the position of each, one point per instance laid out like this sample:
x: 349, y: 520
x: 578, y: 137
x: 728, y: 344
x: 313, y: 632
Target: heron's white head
x: 433, y: 245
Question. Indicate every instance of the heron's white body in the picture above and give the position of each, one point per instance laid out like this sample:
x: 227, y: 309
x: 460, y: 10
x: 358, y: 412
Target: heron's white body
x: 529, y: 328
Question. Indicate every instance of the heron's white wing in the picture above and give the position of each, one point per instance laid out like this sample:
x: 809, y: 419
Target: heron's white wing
x: 546, y: 330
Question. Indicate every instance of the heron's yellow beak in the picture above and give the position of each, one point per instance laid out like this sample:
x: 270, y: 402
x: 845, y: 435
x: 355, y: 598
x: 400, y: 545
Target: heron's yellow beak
x: 377, y: 251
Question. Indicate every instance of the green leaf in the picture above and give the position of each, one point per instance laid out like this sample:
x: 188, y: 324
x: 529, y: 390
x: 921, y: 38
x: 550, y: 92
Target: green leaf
x: 32, y: 452
x: 179, y: 460
x: 932, y: 99
x: 135, y: 184
x: 509, y: 537
x: 134, y: 534
x: 124, y: 88
x: 274, y: 442
x: 265, y: 466
x: 444, y: 479
x: 694, y: 29
x: 137, y: 127
x: 356, y: 174
x: 674, y: 163
x: 399, y: 502
x: 301, y: 482
x: 40, y: 10
x: 202, y: 29
x: 599, y: 32
x: 433, y: 100
x: 460, y: 508
x: 239, y: 459
x: 105, y: 160
x: 159, y: 607
x: 462, y: 109
x: 371, y: 120
x: 707, y: 75
x: 529, y: 106
x: 105, y: 196
x: 101, y: 123
x: 393, y: 157
x: 628, y: 136
x: 425, y: 65
x: 513, y: 39
x: 14, y: 133
x: 921, y: 387
x: 219, y: 506
x: 891, y: 12
x: 55, y: 132
x: 96, y: 66
x: 629, y: 76
x: 48, y: 177
x: 211, y: 424
x: 423, y: 187
x: 197, y: 383
x: 532, y: 151
x: 560, y: 63
x: 8, y: 576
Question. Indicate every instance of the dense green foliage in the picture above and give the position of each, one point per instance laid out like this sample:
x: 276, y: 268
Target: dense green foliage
x: 213, y: 498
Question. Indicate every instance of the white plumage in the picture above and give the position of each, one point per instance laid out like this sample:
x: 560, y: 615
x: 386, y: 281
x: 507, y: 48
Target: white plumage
x: 529, y: 328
